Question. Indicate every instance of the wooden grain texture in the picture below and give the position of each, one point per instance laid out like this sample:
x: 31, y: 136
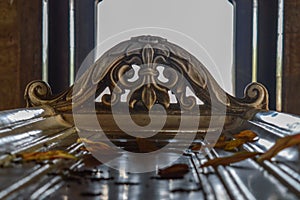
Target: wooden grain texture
x: 291, y: 69
x: 20, y: 49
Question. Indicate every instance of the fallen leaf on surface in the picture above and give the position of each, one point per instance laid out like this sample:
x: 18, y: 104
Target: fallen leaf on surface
x: 239, y: 139
x: 48, y: 155
x: 174, y: 171
x: 91, y: 194
x: 126, y: 183
x: 282, y: 143
x: 90, y: 161
x: 247, y: 135
x: 221, y: 142
x: 94, y: 146
x: 83, y: 148
x: 145, y: 145
x: 237, y: 157
x: 222, y: 138
x: 187, y: 190
x: 233, y: 144
x: 196, y: 147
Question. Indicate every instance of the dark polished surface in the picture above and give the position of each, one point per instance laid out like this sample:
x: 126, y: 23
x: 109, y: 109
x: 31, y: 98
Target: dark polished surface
x: 87, y: 179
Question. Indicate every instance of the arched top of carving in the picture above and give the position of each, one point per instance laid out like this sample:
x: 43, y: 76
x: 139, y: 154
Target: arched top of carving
x: 114, y: 70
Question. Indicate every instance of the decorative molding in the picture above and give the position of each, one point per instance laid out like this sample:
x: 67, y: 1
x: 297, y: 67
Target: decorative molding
x: 115, y: 70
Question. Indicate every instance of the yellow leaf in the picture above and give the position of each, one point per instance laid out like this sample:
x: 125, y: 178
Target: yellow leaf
x: 94, y: 146
x: 220, y: 143
x: 48, y: 155
x: 233, y: 144
x: 247, y: 135
x: 280, y: 144
x: 230, y: 159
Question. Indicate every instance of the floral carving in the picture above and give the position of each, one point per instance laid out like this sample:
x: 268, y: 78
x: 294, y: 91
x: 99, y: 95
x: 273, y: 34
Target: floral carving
x: 114, y: 70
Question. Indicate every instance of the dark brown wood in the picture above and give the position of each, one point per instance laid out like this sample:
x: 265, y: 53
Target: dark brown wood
x: 20, y: 49
x: 291, y: 69
x: 183, y: 71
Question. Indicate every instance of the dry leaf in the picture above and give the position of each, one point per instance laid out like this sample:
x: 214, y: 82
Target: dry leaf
x: 196, y: 147
x: 220, y: 143
x: 174, y: 171
x: 90, y: 161
x: 240, y: 139
x: 48, y: 155
x: 222, y: 138
x: 223, y: 144
x: 83, y: 148
x: 247, y: 135
x: 280, y: 144
x: 145, y: 145
x: 94, y: 146
x: 233, y: 144
x: 230, y: 159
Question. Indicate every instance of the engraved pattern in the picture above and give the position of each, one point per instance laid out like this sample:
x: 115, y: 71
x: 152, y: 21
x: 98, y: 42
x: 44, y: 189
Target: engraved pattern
x: 114, y: 70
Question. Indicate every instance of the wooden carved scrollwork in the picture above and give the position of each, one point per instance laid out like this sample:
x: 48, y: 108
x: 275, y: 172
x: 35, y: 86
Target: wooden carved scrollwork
x: 115, y: 70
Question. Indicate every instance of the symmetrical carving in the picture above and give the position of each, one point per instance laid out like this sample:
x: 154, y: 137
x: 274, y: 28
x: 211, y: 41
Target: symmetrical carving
x: 181, y: 69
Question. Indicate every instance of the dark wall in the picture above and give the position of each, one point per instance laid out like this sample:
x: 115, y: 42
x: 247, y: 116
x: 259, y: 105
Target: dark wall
x: 20, y: 49
x: 291, y: 62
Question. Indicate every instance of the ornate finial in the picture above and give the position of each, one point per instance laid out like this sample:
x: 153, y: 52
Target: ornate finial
x: 148, y: 53
x: 149, y: 39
